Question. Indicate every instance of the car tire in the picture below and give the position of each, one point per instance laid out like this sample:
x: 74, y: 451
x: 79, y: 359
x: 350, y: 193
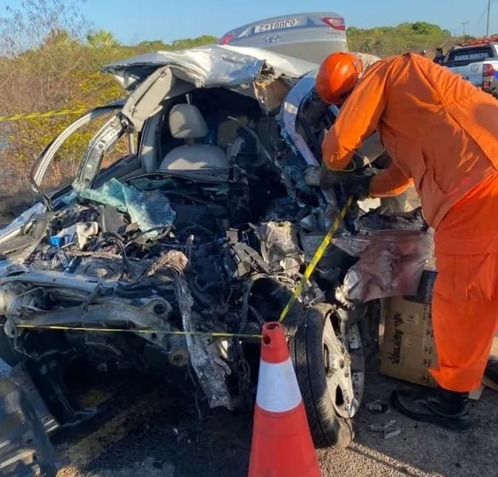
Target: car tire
x: 306, y: 346
x: 7, y: 351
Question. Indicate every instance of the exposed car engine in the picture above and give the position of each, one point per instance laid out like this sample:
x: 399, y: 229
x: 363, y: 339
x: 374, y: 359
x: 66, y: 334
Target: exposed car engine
x: 224, y: 259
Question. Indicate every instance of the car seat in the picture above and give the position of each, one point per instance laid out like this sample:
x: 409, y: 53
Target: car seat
x: 193, y: 160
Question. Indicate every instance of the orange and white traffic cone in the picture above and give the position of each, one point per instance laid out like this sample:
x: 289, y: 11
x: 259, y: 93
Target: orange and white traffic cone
x: 281, y: 442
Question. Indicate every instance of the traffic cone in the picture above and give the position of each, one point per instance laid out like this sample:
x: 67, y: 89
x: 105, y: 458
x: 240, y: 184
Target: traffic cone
x: 281, y: 442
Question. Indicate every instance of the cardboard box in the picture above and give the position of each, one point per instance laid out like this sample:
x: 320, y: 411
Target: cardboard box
x: 408, y: 348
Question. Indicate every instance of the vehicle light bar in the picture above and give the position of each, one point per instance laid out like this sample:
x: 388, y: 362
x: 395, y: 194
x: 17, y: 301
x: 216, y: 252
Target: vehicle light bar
x: 482, y: 41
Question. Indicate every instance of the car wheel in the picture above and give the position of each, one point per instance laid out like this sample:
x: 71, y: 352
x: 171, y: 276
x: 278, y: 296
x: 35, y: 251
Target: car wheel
x: 330, y: 372
x: 7, y: 351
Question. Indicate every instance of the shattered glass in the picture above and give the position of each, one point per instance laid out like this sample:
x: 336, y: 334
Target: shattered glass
x: 147, y: 209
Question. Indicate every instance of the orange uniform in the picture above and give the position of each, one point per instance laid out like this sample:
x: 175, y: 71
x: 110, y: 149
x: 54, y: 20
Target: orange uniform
x: 442, y: 135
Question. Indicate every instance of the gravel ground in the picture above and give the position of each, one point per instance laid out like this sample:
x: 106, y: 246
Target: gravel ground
x: 160, y: 435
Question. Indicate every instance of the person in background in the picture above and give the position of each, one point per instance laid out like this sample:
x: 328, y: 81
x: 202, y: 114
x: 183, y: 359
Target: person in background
x: 441, y: 133
x: 439, y: 58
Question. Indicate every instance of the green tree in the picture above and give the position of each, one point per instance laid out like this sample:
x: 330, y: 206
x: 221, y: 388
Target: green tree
x: 102, y: 39
x: 193, y: 42
x: 153, y: 45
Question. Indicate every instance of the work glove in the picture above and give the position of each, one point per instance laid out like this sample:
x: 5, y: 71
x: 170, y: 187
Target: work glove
x: 325, y: 178
x: 357, y: 185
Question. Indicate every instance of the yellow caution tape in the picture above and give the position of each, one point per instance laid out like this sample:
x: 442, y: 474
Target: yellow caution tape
x: 316, y: 258
x: 46, y: 114
x: 141, y: 331
x: 295, y: 295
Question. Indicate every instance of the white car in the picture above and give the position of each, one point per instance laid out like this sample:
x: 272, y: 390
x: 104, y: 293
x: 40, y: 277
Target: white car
x: 309, y: 36
x: 205, y: 226
x: 477, y: 62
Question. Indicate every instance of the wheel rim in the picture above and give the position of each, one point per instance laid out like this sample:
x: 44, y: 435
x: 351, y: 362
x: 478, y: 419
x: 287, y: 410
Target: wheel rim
x: 344, y: 369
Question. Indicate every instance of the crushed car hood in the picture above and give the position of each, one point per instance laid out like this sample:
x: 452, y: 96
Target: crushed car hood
x: 211, y: 66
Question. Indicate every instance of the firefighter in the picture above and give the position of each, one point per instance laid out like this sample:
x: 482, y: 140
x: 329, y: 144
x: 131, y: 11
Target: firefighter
x: 314, y: 175
x: 442, y: 135
x: 402, y: 203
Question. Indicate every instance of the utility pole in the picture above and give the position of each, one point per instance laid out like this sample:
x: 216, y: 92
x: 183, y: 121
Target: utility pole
x: 487, y: 21
x: 463, y: 26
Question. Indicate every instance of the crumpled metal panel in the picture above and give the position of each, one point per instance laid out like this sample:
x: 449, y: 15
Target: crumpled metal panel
x: 210, y: 66
x: 288, y: 117
x: 25, y: 450
x: 390, y: 263
x: 210, y: 369
x: 281, y: 249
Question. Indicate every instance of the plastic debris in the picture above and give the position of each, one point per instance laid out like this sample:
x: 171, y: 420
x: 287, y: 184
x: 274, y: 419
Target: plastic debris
x: 149, y: 210
x: 79, y: 232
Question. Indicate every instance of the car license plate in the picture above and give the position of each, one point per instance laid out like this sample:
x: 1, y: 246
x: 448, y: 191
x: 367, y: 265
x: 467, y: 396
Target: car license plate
x: 291, y: 23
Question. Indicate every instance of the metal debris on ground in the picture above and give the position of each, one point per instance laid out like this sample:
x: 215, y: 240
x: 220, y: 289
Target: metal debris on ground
x: 377, y: 407
x: 393, y: 433
x: 386, y: 429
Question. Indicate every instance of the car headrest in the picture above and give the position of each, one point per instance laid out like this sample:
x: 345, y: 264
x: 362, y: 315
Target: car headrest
x: 186, y: 122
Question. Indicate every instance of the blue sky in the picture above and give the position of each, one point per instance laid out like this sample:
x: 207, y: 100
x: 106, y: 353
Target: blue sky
x: 136, y: 20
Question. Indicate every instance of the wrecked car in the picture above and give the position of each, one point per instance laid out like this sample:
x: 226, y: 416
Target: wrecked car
x: 170, y: 260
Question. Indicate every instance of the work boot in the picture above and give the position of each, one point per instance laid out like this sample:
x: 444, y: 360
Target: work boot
x: 490, y: 379
x: 447, y: 409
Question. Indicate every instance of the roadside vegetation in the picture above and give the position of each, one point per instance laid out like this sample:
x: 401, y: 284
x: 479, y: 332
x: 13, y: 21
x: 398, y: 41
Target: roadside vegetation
x: 384, y: 41
x: 50, y: 59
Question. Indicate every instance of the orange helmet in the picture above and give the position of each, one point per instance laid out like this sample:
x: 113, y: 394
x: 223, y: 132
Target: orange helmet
x: 337, y: 76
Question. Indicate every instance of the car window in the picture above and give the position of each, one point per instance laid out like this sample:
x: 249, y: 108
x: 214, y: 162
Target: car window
x: 464, y: 56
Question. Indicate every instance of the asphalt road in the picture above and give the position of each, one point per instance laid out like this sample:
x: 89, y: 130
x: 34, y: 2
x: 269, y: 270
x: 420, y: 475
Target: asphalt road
x: 159, y: 434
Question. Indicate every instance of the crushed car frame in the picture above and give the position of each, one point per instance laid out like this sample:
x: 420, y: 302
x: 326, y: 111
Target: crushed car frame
x: 204, y: 227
